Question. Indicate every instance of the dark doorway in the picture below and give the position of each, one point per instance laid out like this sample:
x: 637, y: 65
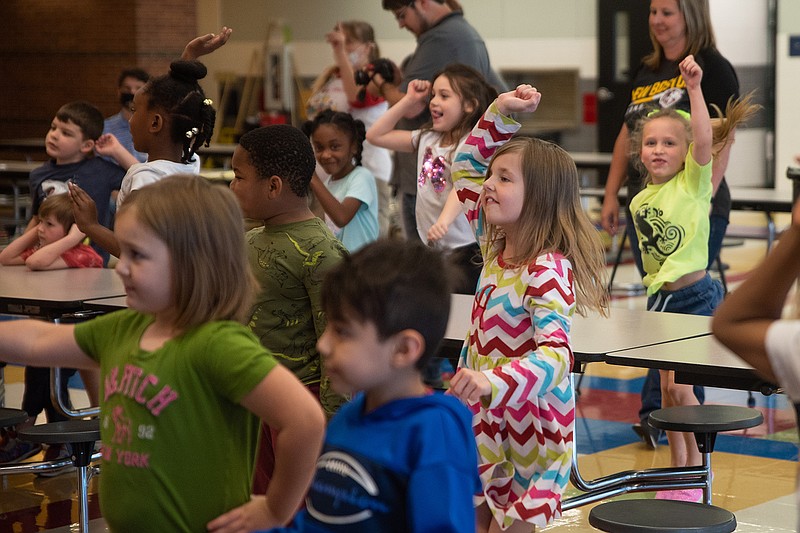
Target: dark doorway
x: 623, y: 39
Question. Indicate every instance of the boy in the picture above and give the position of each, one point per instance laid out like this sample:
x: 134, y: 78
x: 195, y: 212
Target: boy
x: 70, y: 144
x: 289, y: 256
x: 397, y: 457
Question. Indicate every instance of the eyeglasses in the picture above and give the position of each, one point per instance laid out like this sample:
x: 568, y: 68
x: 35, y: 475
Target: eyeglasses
x: 400, y: 14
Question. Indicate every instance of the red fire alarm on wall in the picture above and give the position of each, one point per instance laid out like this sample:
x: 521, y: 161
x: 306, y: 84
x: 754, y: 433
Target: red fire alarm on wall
x: 589, y: 108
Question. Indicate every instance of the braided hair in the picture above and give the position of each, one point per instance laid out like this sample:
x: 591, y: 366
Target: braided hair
x: 191, y: 113
x: 343, y: 121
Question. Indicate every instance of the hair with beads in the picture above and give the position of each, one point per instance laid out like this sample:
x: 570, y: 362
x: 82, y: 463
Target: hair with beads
x: 284, y: 151
x: 211, y: 277
x: 191, y: 115
x: 552, y: 220
x: 344, y: 122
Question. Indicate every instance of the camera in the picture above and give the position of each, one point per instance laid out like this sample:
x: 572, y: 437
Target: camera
x: 381, y: 66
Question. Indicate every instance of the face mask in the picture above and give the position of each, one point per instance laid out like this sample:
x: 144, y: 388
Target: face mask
x: 125, y: 99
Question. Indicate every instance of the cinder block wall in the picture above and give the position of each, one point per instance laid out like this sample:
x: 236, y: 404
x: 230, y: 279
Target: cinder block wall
x: 53, y: 52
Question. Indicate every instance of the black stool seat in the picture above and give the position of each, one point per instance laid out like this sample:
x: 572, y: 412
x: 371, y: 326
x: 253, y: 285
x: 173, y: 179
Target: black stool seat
x: 81, y: 434
x: 12, y: 417
x: 705, y: 418
x: 651, y: 516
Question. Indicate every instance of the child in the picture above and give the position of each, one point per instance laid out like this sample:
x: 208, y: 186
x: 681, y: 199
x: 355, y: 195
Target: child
x: 543, y: 260
x: 750, y: 319
x: 181, y: 376
x: 171, y: 119
x: 289, y: 255
x: 55, y: 242
x: 354, y: 49
x: 397, y: 457
x: 671, y: 220
x: 70, y: 144
x: 459, y: 95
x: 349, y: 197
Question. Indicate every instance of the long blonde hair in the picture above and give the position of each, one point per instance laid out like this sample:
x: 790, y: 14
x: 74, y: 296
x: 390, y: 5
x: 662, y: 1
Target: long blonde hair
x: 553, y: 220
x: 737, y: 112
x: 699, y: 32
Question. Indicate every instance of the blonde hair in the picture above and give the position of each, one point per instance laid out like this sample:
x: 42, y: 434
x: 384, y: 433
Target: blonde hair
x: 553, y: 220
x: 60, y: 206
x: 699, y: 32
x: 203, y: 229
x: 737, y: 112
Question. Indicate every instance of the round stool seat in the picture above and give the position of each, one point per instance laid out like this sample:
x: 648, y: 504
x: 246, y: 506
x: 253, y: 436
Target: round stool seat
x: 12, y: 417
x: 67, y: 432
x: 705, y: 418
x: 651, y: 516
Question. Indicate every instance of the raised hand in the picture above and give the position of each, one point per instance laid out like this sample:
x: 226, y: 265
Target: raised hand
x: 205, y: 44
x: 691, y: 72
x: 524, y: 99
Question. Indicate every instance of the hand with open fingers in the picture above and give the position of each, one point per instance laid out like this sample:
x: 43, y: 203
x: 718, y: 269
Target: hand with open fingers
x: 251, y: 516
x: 524, y: 99
x: 83, y: 207
x: 205, y: 44
x: 469, y: 385
x: 691, y: 72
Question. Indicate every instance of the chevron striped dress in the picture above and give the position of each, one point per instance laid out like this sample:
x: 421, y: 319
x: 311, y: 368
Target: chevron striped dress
x: 519, y: 338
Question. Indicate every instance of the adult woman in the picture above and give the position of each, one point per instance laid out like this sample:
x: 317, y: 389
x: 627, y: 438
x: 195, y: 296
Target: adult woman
x: 677, y: 28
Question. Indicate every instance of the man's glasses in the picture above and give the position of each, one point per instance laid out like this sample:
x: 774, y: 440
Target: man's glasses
x: 400, y: 14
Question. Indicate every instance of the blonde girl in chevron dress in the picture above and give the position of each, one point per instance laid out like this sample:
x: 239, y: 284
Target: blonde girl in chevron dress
x: 543, y: 260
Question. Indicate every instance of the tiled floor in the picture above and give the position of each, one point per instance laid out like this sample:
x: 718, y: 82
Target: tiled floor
x: 754, y: 471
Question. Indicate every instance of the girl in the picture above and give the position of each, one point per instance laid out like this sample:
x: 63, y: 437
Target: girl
x: 350, y: 199
x: 354, y: 49
x: 543, y: 260
x: 171, y: 119
x: 55, y: 242
x: 671, y: 220
x: 459, y: 94
x: 181, y: 374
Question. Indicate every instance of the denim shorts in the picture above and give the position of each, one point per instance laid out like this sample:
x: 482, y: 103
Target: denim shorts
x: 699, y: 298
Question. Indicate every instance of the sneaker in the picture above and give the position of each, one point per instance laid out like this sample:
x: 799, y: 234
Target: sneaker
x: 57, y: 452
x: 683, y: 495
x: 16, y: 450
x: 648, y: 434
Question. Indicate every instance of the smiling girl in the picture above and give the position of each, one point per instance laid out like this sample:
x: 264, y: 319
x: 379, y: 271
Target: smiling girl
x: 457, y: 97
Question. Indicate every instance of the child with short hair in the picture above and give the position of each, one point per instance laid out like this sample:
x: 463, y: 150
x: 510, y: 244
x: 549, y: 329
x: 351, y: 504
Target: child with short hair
x: 349, y: 197
x: 397, y: 457
x: 171, y: 119
x: 671, y: 220
x: 54, y: 243
x: 70, y: 144
x: 289, y: 255
x: 182, y: 377
x: 543, y: 261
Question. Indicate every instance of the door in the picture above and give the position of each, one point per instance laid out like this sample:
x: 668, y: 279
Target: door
x: 623, y: 39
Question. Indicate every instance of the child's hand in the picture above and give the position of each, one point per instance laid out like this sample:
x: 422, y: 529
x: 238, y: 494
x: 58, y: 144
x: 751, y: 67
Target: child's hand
x: 83, y: 207
x: 437, y: 231
x: 253, y: 515
x: 336, y: 38
x: 523, y: 99
x: 75, y: 231
x: 107, y: 145
x: 205, y: 44
x: 418, y: 90
x: 469, y: 386
x: 691, y: 72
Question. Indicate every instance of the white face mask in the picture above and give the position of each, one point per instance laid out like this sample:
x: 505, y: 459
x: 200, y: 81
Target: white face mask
x: 358, y: 57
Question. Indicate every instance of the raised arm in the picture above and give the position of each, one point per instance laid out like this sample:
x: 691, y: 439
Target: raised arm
x: 336, y: 39
x: 205, y: 44
x: 383, y: 132
x: 701, y: 121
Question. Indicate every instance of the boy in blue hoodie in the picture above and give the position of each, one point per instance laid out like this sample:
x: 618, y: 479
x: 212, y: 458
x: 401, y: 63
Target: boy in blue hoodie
x: 397, y: 457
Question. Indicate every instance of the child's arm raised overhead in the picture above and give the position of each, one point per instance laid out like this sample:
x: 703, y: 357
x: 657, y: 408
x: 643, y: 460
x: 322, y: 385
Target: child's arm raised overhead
x: 12, y: 254
x: 382, y: 132
x: 701, y: 121
x: 48, y: 257
x: 290, y: 410
x: 337, y: 39
x: 205, y: 44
